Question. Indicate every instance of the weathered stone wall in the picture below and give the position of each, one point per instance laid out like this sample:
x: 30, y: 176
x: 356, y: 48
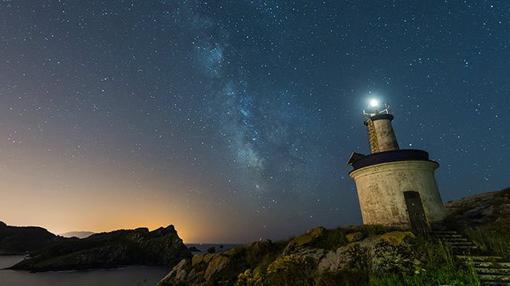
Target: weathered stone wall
x: 381, y: 190
x: 386, y: 139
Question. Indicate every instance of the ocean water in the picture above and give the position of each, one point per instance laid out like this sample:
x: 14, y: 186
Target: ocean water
x: 125, y: 276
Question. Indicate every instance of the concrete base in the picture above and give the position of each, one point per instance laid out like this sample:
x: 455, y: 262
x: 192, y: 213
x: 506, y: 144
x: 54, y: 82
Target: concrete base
x: 381, y: 190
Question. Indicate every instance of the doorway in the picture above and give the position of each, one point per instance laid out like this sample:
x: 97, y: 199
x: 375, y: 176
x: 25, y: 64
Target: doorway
x: 417, y: 218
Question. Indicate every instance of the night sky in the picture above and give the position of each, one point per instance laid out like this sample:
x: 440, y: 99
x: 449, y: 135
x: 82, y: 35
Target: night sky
x: 233, y: 120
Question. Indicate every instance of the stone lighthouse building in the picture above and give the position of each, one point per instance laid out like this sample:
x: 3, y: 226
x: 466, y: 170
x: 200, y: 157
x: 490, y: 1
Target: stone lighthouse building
x: 396, y: 187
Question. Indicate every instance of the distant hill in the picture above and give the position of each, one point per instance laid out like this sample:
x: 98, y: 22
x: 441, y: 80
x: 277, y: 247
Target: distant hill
x: 78, y: 234
x: 19, y: 240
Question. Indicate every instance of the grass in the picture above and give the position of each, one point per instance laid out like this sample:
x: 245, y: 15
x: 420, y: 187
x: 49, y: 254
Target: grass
x: 439, y: 267
x: 490, y: 241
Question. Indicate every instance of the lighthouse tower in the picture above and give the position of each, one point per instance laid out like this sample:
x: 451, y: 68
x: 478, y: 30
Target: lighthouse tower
x: 395, y: 187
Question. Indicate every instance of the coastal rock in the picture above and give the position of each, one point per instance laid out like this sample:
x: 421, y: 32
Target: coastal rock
x: 179, y: 272
x: 390, y: 252
x: 387, y: 252
x: 222, y: 268
x: 299, y: 261
x: 103, y: 250
x: 354, y: 236
x: 19, y: 240
x: 350, y: 256
x: 290, y: 270
x: 307, y: 239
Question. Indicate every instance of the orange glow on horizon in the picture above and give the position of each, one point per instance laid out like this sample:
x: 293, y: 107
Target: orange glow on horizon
x: 95, y: 196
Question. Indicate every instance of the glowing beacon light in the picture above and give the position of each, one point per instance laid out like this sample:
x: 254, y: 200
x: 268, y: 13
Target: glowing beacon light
x: 376, y: 107
x: 373, y: 102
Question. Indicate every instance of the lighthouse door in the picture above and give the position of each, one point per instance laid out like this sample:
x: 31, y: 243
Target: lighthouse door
x: 416, y: 213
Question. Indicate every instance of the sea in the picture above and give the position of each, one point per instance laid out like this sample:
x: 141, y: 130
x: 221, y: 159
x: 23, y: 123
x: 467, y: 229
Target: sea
x: 125, y: 276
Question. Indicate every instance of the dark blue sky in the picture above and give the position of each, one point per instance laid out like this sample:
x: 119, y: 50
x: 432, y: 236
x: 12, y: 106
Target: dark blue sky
x: 234, y: 120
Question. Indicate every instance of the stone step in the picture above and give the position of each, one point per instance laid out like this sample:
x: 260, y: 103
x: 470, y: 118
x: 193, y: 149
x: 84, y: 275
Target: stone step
x: 479, y: 258
x: 460, y: 243
x: 444, y: 232
x: 487, y: 264
x: 464, y: 249
x: 454, y: 239
x: 495, y: 283
x: 500, y: 271
x: 494, y: 277
x: 449, y: 236
x: 472, y: 246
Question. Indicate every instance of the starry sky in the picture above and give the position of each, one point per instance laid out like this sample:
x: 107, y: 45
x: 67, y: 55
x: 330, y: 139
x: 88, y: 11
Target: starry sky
x: 233, y: 120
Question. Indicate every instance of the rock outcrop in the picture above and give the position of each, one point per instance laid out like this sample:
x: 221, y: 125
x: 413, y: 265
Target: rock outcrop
x: 360, y: 255
x: 20, y: 240
x: 486, y: 210
x: 319, y: 257
x: 103, y: 250
x: 485, y: 220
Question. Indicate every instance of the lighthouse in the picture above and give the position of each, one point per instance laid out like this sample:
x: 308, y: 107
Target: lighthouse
x: 396, y: 187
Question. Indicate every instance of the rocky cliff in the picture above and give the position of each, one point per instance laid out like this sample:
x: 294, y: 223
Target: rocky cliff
x: 358, y: 255
x: 19, y: 240
x: 103, y: 250
x: 354, y: 256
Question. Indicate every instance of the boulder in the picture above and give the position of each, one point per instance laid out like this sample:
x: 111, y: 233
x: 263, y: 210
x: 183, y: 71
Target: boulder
x: 387, y: 252
x: 354, y: 236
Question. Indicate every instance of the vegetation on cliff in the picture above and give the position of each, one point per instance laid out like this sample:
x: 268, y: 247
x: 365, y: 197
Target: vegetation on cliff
x: 366, y: 255
x: 355, y: 256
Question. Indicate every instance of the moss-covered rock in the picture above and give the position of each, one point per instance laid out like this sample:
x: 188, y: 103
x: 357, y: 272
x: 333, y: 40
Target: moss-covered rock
x: 224, y: 268
x: 318, y: 237
x: 363, y: 255
x: 303, y: 260
x: 391, y: 251
x: 354, y: 236
x: 291, y: 270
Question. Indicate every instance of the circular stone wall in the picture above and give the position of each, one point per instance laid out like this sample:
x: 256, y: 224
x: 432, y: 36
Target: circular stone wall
x: 381, y: 190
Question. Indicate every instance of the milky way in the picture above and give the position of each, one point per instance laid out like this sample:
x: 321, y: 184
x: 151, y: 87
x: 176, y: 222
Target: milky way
x: 234, y: 119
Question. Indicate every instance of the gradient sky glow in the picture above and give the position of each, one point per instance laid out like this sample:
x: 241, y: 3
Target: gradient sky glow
x: 233, y: 120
